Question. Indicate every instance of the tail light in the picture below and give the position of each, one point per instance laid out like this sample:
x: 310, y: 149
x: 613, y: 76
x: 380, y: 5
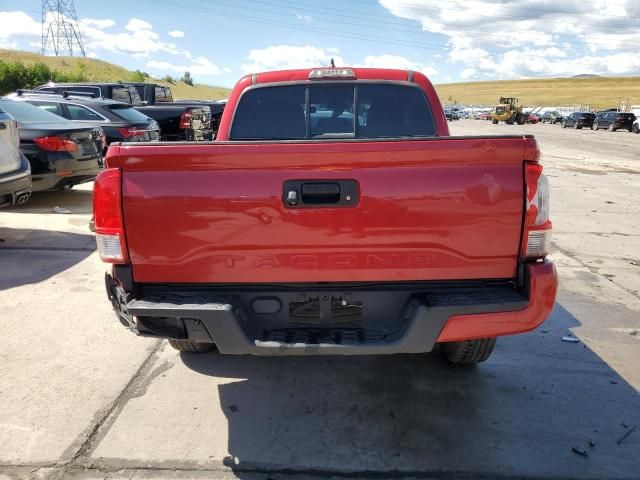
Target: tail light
x: 536, y: 236
x: 131, y: 132
x: 56, y: 144
x: 107, y: 214
x: 185, y: 119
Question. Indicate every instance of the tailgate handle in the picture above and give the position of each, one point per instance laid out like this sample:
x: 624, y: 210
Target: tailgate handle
x: 323, y: 193
x: 319, y: 193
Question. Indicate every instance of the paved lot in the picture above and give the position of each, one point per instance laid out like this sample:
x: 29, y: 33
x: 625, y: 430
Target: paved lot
x: 81, y: 397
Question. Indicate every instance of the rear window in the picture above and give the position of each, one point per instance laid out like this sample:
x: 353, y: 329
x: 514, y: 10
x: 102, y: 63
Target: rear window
x: 332, y: 111
x: 27, y: 113
x: 126, y: 94
x: 128, y: 113
x: 627, y: 116
x: 163, y: 94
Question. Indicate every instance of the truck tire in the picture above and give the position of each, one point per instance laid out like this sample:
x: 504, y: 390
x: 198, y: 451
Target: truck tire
x: 495, y: 122
x: 468, y: 352
x: 189, y: 346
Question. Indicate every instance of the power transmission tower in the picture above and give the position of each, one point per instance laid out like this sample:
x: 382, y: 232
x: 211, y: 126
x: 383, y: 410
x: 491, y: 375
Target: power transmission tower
x: 60, y: 29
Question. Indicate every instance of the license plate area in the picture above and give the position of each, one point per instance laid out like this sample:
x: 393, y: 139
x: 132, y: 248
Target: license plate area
x: 89, y: 148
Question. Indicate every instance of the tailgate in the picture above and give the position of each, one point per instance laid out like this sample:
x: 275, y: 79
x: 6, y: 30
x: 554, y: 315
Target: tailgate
x: 436, y: 209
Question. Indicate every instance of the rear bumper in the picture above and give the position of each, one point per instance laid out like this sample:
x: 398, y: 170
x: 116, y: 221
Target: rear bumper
x: 15, y: 187
x: 424, y: 317
x: 68, y: 172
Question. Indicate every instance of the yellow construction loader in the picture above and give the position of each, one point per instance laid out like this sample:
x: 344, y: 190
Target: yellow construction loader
x: 508, y: 111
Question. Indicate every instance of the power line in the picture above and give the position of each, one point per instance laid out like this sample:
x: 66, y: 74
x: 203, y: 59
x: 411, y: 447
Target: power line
x: 60, y: 29
x: 433, y: 46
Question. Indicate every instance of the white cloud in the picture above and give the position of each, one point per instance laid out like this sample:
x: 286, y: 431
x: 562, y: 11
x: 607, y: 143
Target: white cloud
x: 304, y: 18
x: 498, y: 38
x: 137, y: 40
x: 176, y: 34
x: 394, y: 61
x: 99, y: 23
x: 136, y: 24
x: 18, y: 25
x: 284, y: 57
x: 199, y: 66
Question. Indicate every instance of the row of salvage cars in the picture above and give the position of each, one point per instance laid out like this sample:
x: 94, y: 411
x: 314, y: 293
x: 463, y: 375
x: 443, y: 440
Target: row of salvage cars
x: 51, y: 141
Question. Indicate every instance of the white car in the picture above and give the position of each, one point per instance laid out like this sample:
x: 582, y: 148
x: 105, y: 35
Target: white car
x: 15, y: 171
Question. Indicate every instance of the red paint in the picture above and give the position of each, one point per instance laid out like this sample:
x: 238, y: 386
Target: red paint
x: 435, y: 209
x: 442, y: 128
x: 542, y: 295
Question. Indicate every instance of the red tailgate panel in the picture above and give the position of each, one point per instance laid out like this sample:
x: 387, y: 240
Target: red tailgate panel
x: 429, y: 210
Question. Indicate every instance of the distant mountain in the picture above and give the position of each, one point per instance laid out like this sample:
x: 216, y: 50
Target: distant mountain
x: 586, y: 75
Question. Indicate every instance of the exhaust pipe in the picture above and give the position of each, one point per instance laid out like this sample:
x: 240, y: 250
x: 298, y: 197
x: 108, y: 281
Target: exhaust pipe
x: 23, y: 197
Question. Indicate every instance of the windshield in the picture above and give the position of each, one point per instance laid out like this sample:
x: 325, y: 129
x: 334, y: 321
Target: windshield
x: 128, y: 113
x: 26, y: 113
x: 327, y: 111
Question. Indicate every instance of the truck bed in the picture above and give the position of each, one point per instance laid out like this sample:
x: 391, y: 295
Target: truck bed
x: 422, y: 209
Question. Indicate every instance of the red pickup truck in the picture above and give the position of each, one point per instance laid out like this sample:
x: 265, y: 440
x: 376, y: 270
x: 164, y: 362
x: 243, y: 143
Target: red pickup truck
x: 334, y: 214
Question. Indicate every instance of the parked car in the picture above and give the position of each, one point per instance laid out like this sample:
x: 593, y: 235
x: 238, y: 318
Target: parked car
x: 119, y: 121
x: 484, y: 116
x: 288, y: 236
x: 175, y: 120
x: 15, y: 171
x: 451, y: 115
x: 61, y: 153
x: 614, y: 121
x: 155, y: 94
x: 551, y: 117
x: 579, y: 120
x: 533, y: 118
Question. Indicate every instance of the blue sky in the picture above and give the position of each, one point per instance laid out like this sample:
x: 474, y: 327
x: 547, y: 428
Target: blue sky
x: 457, y: 40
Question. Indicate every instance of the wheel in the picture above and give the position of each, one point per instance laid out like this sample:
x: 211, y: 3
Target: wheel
x: 509, y: 122
x: 575, y: 125
x: 495, y: 122
x: 612, y: 128
x: 564, y: 125
x: 468, y: 352
x: 635, y: 128
x: 189, y: 346
x: 594, y: 126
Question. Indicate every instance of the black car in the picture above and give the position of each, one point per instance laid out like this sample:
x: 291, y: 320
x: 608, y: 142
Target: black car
x: 579, y: 120
x: 551, y: 117
x: 178, y: 121
x: 119, y: 121
x: 61, y: 153
x: 614, y: 121
x: 15, y: 171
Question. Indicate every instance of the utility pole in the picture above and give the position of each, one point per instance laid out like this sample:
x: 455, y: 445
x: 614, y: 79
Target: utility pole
x: 60, y: 29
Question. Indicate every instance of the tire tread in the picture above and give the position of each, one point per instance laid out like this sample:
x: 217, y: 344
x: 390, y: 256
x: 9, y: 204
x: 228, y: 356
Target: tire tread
x: 190, y: 346
x: 469, y: 352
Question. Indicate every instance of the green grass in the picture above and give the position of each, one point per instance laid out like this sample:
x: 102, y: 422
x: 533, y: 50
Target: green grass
x: 598, y: 92
x: 100, y: 71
